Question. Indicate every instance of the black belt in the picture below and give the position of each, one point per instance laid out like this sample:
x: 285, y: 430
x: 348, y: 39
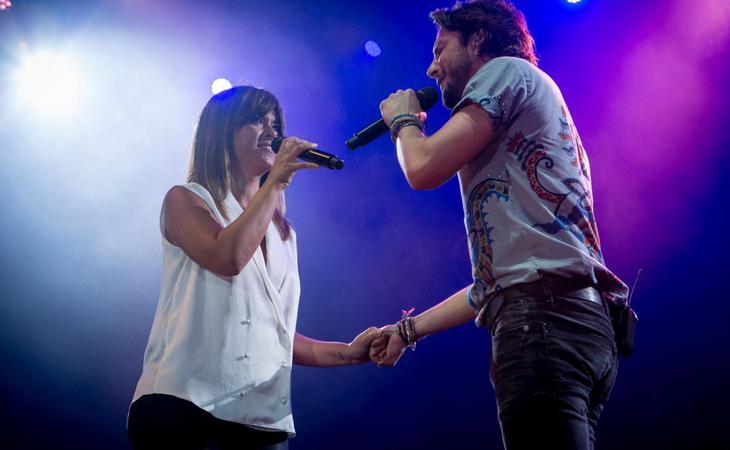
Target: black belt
x: 546, y: 286
x: 553, y: 286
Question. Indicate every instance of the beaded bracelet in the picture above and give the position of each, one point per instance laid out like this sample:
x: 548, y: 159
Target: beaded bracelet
x: 401, y: 123
x: 402, y: 115
x: 421, y: 116
x: 406, y: 329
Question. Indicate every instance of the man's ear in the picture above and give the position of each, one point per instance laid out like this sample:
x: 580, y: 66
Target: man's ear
x: 476, y: 39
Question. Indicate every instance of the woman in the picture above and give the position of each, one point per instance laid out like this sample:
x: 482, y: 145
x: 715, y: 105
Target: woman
x: 218, y: 362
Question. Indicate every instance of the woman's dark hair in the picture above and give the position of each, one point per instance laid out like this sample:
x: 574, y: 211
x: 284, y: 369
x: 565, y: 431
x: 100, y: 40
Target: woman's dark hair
x: 213, y: 152
x: 505, y: 28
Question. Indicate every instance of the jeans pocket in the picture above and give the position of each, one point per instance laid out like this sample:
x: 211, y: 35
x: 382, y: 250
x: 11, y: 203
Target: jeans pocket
x: 512, y: 317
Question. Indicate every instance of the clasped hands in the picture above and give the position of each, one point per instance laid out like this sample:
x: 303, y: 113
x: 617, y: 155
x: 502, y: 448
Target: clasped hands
x: 383, y: 346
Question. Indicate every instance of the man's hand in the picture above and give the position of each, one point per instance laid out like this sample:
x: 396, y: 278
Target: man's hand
x: 387, y: 348
x: 399, y: 102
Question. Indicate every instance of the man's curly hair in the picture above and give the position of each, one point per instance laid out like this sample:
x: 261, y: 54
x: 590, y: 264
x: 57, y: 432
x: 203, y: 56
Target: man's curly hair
x: 505, y: 28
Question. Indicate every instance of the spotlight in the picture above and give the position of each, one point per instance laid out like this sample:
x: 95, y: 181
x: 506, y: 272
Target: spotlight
x: 220, y: 85
x: 5, y: 4
x: 373, y: 49
x: 574, y: 4
x: 48, y: 83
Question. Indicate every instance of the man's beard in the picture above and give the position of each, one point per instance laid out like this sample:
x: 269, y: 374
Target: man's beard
x: 453, y: 90
x: 451, y: 95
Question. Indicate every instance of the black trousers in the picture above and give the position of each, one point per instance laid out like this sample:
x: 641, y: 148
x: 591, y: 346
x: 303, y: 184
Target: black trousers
x: 160, y: 421
x: 554, y: 362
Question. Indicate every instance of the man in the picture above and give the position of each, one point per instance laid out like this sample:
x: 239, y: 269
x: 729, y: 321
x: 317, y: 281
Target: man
x: 540, y: 283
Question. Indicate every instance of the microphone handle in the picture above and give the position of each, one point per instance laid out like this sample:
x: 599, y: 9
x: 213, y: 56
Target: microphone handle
x: 374, y: 130
x: 322, y: 159
x: 313, y: 155
x: 427, y: 97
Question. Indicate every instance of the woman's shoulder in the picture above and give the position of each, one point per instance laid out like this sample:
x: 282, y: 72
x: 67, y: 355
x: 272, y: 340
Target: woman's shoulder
x: 195, y: 188
x: 187, y: 195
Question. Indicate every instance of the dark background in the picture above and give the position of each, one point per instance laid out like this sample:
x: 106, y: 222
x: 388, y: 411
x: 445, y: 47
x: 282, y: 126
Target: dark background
x: 81, y: 191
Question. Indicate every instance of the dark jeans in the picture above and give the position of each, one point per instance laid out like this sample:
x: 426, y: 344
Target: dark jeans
x: 159, y: 421
x: 554, y: 362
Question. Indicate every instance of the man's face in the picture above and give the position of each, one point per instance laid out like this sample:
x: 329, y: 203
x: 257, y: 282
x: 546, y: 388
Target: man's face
x: 451, y: 67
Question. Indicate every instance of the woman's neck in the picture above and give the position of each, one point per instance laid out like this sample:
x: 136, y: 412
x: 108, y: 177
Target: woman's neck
x: 244, y: 186
x: 244, y: 190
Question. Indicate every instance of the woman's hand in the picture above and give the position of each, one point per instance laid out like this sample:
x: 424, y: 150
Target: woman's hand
x: 311, y: 352
x: 286, y: 162
x: 358, y: 351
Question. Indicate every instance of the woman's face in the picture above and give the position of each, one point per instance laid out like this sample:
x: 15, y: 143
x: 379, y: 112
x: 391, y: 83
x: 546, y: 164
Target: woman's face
x: 252, y: 144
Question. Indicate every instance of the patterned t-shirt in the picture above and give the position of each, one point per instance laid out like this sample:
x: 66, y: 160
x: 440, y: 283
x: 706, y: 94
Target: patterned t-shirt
x: 527, y: 196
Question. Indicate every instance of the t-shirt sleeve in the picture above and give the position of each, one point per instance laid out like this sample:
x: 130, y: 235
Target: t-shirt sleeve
x: 500, y: 88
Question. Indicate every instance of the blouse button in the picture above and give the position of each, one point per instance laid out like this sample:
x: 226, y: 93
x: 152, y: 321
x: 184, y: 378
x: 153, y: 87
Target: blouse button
x: 283, y: 400
x: 241, y: 358
x: 246, y: 322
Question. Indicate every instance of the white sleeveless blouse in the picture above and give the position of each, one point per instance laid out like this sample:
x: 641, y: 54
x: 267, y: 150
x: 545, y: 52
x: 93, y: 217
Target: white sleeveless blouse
x: 225, y: 343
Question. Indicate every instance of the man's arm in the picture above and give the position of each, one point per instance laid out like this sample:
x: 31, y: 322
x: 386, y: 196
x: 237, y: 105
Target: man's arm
x: 450, y: 313
x: 429, y: 161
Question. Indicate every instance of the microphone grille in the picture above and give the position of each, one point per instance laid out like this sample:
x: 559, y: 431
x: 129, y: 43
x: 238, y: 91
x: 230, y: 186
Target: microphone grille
x: 276, y: 143
x: 427, y: 97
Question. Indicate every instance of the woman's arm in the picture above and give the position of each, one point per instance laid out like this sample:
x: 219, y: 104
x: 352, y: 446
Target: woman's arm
x: 311, y: 352
x: 189, y: 224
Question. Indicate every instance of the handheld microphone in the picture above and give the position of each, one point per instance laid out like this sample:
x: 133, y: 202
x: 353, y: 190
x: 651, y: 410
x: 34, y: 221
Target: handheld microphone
x: 427, y: 97
x: 313, y: 155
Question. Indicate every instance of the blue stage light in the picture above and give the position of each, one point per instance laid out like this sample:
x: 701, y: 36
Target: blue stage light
x: 373, y: 49
x: 574, y: 4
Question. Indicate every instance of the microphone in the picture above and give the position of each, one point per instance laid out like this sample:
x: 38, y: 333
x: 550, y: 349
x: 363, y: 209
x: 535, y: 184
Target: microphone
x: 427, y: 97
x: 313, y: 155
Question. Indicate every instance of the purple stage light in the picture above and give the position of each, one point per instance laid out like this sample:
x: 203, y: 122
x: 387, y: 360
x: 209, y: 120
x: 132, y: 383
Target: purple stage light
x: 5, y: 4
x: 373, y: 49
